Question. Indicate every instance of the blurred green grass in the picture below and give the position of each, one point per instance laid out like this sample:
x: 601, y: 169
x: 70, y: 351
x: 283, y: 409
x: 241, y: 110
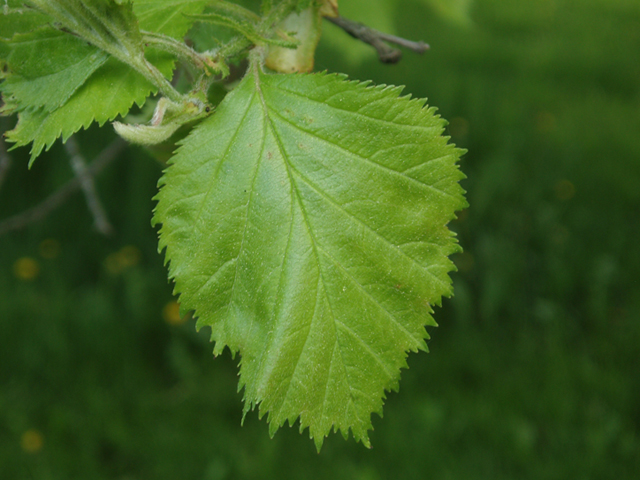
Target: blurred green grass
x: 535, y: 369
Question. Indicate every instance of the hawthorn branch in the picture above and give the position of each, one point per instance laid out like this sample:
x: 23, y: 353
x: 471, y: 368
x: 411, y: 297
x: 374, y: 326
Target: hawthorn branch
x: 379, y: 40
x: 56, y: 199
x: 88, y: 187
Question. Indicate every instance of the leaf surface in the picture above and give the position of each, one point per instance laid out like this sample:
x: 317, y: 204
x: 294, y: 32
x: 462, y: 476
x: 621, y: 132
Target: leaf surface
x: 108, y: 24
x: 168, y: 16
x: 305, y: 223
x: 48, y: 66
x: 14, y: 18
x: 109, y: 92
x: 78, y: 85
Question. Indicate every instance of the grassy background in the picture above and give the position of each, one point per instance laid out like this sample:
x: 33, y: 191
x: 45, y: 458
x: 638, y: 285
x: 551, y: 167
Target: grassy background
x: 535, y: 369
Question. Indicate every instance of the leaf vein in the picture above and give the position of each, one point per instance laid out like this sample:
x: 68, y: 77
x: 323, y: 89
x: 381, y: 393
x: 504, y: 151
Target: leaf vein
x: 221, y: 161
x: 212, y: 276
x: 367, y: 227
x: 367, y: 160
x: 373, y: 299
x: 324, y: 103
x: 305, y: 216
x: 367, y: 347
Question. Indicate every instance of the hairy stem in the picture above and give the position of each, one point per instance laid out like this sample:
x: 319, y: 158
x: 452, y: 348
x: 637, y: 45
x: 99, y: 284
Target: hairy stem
x: 180, y: 50
x: 151, y: 73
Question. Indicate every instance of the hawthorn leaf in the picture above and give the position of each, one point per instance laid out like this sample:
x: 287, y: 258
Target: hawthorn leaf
x: 110, y: 91
x: 47, y: 66
x: 110, y: 25
x: 168, y: 17
x: 14, y: 18
x: 305, y: 222
x: 100, y: 88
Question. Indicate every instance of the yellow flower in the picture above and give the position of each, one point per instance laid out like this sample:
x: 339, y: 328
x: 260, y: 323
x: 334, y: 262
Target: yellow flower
x: 171, y: 313
x: 32, y: 441
x: 26, y: 268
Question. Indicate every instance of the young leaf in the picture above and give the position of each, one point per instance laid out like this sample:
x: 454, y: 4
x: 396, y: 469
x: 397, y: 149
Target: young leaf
x: 167, y: 119
x: 108, y: 24
x: 305, y: 223
x: 112, y: 26
x: 168, y: 17
x: 109, y: 92
x: 47, y: 66
x: 14, y: 18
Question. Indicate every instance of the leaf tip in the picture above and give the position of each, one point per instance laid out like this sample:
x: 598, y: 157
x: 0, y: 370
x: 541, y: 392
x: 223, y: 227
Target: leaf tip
x: 318, y: 440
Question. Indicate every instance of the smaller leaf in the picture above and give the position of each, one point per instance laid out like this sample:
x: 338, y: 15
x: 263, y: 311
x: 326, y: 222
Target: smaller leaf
x: 145, y: 134
x: 109, y: 92
x: 167, y: 119
x: 168, y: 17
x: 17, y: 19
x: 107, y: 24
x: 235, y: 9
x: 303, y: 5
x: 47, y: 67
x: 112, y: 26
x: 245, y: 28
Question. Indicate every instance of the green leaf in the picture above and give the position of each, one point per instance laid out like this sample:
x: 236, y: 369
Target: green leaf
x: 304, y: 4
x: 109, y: 92
x: 207, y: 36
x: 112, y: 26
x: 17, y: 19
x: 168, y: 16
x: 169, y: 117
x: 47, y: 67
x: 305, y: 223
x: 108, y: 24
x: 245, y: 28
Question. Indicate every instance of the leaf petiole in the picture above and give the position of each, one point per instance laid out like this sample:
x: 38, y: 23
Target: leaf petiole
x: 200, y: 61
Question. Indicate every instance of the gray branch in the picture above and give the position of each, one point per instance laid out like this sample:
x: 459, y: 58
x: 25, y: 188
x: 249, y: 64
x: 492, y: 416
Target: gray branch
x: 378, y: 40
x: 56, y: 199
x: 88, y: 187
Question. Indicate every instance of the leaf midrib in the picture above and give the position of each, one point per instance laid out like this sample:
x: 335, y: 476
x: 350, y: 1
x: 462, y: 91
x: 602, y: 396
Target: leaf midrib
x: 256, y: 75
